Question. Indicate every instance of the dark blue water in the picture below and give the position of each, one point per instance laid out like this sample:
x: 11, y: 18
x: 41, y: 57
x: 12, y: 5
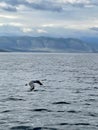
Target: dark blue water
x: 68, y: 100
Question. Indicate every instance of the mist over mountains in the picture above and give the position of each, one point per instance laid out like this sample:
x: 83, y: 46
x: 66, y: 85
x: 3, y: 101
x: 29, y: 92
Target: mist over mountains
x: 45, y: 44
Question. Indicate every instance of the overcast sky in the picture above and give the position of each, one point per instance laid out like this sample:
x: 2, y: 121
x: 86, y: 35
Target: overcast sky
x: 59, y: 18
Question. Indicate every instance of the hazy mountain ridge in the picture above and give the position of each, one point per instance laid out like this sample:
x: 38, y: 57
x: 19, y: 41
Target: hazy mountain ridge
x: 44, y: 44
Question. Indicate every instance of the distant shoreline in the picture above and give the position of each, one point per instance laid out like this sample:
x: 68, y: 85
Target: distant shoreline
x: 46, y: 45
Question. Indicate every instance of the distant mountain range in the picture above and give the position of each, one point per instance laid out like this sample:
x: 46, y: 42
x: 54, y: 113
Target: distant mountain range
x: 45, y: 44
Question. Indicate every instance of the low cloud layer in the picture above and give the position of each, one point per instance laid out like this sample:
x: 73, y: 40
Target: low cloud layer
x: 94, y: 29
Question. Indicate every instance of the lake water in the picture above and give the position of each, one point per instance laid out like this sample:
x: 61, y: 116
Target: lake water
x: 68, y: 99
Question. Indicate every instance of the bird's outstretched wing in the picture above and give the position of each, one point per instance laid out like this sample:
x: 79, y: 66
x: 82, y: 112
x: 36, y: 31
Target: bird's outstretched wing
x: 37, y: 81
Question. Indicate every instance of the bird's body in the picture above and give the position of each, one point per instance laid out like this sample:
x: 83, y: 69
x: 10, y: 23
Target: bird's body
x: 32, y: 84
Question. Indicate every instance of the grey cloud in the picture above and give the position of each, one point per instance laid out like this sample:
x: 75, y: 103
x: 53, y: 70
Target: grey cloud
x: 7, y: 6
x: 11, y: 5
x: 94, y: 28
x: 45, y: 6
x: 39, y: 5
x: 48, y: 5
x: 10, y: 9
x: 83, y: 4
x: 13, y: 2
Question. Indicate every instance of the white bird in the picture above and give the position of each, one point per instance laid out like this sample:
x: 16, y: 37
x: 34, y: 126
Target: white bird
x: 31, y: 84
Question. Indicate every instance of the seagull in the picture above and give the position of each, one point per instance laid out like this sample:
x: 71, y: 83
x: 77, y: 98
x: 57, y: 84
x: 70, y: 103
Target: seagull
x: 32, y: 82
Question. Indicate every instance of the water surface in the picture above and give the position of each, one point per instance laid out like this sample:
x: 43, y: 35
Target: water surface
x: 67, y: 101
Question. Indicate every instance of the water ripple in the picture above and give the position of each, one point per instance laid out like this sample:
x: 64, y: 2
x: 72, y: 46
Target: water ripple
x: 31, y: 128
x: 13, y: 99
x: 41, y: 110
x: 84, y: 124
x: 6, y: 111
x: 62, y: 102
x: 21, y: 128
x: 90, y: 100
x: 93, y: 114
x: 73, y: 111
x: 73, y: 124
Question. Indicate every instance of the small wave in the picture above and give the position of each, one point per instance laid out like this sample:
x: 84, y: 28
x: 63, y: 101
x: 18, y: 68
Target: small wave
x: 92, y: 83
x: 73, y: 71
x: 44, y: 128
x: 41, y: 110
x: 61, y: 102
x: 44, y: 80
x: 6, y: 111
x: 95, y: 87
x: 21, y: 128
x: 86, y: 124
x: 87, y: 104
x: 38, y: 91
x: 30, y: 128
x: 63, y: 124
x: 73, y: 111
x: 1, y: 122
x: 72, y: 124
x: 60, y: 111
x: 78, y: 91
x: 61, y: 81
x: 93, y: 95
x: 93, y: 114
x: 91, y: 100
x: 13, y: 99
